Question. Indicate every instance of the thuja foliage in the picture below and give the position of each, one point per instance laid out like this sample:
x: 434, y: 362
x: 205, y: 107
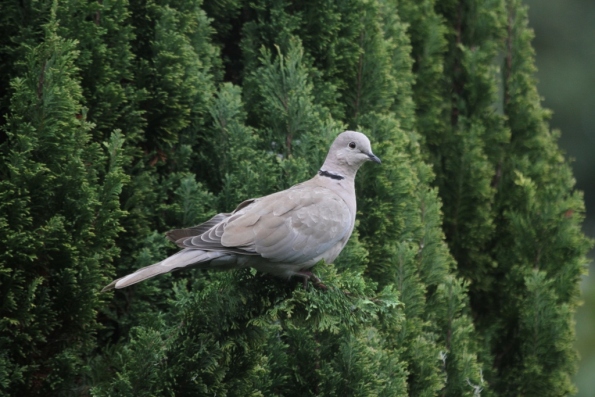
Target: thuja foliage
x: 125, y: 118
x: 511, y: 217
x: 60, y: 217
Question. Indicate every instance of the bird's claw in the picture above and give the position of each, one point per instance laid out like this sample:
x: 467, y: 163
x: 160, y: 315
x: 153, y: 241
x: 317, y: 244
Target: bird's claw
x: 309, y: 276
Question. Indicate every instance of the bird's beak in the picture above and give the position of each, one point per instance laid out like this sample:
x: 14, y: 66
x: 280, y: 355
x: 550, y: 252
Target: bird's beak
x: 374, y: 158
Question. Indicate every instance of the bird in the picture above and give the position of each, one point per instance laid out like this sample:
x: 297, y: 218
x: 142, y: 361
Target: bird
x: 282, y: 234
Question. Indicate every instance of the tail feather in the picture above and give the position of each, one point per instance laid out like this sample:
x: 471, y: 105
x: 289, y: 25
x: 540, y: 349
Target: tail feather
x: 183, y: 258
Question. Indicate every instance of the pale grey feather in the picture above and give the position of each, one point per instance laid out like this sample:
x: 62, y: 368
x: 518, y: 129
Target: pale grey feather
x: 284, y: 233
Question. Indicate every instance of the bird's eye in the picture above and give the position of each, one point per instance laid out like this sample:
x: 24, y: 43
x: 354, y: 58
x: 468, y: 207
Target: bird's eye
x: 352, y: 145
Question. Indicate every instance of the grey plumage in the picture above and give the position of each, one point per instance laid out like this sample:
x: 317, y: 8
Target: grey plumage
x: 284, y: 233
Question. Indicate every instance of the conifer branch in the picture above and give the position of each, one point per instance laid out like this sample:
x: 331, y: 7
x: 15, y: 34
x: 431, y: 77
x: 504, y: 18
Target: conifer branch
x: 359, y: 77
x: 508, y: 67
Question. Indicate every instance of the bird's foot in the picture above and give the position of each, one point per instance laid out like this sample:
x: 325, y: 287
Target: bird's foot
x: 309, y: 276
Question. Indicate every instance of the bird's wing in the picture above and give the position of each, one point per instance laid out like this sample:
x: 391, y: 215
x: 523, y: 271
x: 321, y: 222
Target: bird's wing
x: 292, y: 226
x: 181, y: 234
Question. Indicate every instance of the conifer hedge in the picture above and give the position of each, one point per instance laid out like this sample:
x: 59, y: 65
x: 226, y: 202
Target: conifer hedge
x: 125, y: 118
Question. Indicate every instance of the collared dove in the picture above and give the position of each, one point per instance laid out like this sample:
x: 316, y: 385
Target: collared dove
x: 284, y: 233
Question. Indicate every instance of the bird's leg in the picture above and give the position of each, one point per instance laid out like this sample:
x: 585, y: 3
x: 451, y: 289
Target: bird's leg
x: 316, y: 282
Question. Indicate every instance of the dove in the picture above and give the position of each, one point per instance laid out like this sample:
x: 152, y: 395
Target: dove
x: 283, y: 234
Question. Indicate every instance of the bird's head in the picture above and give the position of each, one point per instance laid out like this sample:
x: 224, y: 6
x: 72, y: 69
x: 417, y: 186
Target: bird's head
x: 348, y: 152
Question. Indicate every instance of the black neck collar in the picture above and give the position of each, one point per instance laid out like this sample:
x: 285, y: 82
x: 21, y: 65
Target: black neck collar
x: 330, y: 175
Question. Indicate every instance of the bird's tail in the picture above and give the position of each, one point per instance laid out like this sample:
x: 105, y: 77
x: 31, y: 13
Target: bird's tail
x: 179, y: 260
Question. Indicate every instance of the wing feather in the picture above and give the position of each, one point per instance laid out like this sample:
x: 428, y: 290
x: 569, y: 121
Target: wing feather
x: 292, y: 226
x: 178, y: 234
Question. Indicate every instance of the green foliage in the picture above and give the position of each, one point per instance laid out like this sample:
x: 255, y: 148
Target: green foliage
x: 544, y: 326
x: 59, y: 219
x: 507, y: 190
x: 104, y: 36
x: 238, y: 152
x: 244, y: 334
x: 175, y: 64
x: 539, y: 206
x: 127, y: 118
